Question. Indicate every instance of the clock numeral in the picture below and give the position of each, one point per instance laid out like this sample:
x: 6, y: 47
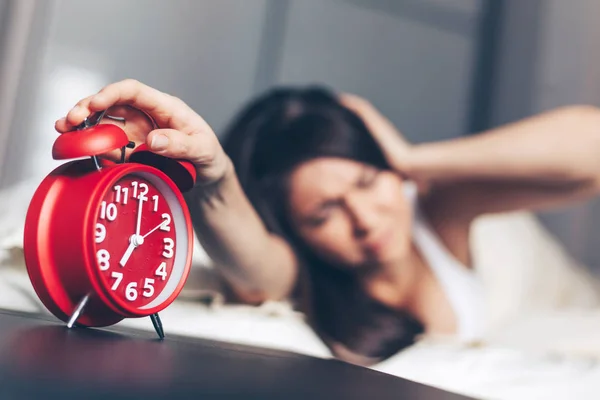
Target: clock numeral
x: 100, y: 233
x: 130, y: 291
x: 103, y: 257
x: 148, y: 288
x: 108, y: 211
x: 118, y: 189
x: 142, y: 187
x: 166, y: 221
x: 161, y: 270
x: 155, y: 199
x: 119, y: 277
x: 168, y: 251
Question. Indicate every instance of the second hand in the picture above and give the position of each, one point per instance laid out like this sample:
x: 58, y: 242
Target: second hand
x: 153, y: 229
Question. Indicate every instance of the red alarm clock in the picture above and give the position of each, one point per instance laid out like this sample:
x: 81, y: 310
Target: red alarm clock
x: 109, y: 240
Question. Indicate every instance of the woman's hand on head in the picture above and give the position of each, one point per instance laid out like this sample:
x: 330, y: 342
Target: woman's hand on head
x: 173, y: 129
x: 380, y: 127
x: 397, y: 150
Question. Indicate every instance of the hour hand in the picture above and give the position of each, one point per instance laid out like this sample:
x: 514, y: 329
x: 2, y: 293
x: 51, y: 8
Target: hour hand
x: 134, y: 241
x: 127, y: 253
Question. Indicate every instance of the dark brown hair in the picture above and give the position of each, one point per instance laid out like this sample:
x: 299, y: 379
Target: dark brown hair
x: 267, y: 139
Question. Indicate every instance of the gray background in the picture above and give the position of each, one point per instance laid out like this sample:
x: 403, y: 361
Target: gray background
x: 437, y: 68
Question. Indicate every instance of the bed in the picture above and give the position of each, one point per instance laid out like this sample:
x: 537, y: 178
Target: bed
x: 549, y: 350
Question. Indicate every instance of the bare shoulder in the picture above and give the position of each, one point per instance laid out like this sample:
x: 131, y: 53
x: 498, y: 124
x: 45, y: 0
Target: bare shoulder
x: 450, y: 223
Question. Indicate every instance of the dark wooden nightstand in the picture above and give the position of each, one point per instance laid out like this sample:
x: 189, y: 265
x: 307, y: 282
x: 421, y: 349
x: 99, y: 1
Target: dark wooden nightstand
x: 41, y: 359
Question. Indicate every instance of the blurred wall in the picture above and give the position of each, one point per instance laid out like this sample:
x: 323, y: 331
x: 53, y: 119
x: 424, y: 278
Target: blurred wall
x: 548, y: 58
x: 22, y: 29
x: 202, y: 51
x: 419, y: 61
x: 413, y: 59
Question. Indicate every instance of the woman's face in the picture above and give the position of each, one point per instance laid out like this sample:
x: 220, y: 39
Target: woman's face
x: 350, y: 213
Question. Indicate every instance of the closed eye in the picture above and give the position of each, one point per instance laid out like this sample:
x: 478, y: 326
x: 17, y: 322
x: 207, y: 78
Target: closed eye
x: 323, y: 213
x: 315, y: 221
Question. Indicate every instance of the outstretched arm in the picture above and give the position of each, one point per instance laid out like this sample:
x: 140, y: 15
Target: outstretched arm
x: 258, y: 265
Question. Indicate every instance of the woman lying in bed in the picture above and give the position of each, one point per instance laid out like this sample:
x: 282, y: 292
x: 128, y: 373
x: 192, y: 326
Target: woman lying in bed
x: 316, y: 196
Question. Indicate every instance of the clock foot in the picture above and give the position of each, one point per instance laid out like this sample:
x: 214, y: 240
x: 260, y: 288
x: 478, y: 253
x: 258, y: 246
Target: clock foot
x: 157, y: 325
x: 78, y: 311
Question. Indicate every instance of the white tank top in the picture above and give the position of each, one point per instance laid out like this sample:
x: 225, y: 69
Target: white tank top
x: 460, y: 284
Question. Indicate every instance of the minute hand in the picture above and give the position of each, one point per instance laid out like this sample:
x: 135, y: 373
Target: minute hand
x: 139, y: 215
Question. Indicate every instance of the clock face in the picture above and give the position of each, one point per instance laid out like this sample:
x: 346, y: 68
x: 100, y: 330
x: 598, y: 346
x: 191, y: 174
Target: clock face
x: 136, y: 240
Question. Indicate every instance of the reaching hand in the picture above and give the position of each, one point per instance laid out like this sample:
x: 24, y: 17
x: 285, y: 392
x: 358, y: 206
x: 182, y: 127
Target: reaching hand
x: 165, y: 123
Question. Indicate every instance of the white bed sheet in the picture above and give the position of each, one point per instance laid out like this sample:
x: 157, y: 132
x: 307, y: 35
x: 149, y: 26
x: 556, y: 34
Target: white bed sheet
x: 523, y: 368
